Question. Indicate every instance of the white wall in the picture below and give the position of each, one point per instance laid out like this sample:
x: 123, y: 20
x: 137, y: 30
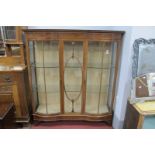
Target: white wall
x: 125, y: 72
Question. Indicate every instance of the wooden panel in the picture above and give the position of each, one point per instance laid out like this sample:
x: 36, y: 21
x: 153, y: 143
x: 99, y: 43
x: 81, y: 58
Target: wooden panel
x: 41, y: 36
x: 73, y: 116
x: 6, y: 97
x: 10, y: 61
x: 23, y: 93
x: 5, y: 89
x: 61, y: 62
x: 16, y: 100
x: 73, y: 36
x: 133, y: 119
x: 98, y: 36
x: 84, y: 75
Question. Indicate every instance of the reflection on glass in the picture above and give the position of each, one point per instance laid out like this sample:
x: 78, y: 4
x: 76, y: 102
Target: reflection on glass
x: 46, y: 63
x: 73, y: 60
x: 100, y: 70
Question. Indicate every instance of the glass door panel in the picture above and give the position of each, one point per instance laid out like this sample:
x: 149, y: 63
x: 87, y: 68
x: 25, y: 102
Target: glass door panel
x: 45, y: 63
x: 9, y: 32
x: 73, y: 62
x: 99, y: 85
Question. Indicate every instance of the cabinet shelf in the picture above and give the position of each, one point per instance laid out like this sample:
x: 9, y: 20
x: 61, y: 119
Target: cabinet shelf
x: 106, y: 68
x: 44, y: 66
x: 79, y: 67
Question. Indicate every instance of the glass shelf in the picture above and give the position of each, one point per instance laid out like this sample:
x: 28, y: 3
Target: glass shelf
x: 44, y: 67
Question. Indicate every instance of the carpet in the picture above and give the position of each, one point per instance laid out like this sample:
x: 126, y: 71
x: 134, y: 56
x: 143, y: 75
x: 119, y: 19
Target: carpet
x: 71, y: 125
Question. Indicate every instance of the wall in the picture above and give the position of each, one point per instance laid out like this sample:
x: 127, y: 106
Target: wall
x: 124, y: 78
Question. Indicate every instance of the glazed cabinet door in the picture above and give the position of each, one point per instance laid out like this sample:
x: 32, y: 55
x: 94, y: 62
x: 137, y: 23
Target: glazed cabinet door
x: 73, y: 66
x: 44, y: 60
x: 100, y: 76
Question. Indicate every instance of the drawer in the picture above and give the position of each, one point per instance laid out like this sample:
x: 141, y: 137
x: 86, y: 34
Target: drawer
x: 6, y: 78
x: 5, y: 89
x: 6, y: 98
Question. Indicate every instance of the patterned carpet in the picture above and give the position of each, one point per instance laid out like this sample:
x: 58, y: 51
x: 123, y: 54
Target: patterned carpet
x: 71, y: 125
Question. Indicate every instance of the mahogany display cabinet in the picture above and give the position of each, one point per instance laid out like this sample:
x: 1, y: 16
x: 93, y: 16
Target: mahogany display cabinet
x: 72, y: 73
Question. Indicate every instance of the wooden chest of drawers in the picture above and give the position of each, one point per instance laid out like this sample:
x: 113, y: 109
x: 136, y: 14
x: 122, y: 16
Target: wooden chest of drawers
x: 14, y: 83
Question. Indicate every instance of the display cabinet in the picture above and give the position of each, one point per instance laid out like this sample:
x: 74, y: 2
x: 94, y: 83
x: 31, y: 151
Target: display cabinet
x: 72, y: 74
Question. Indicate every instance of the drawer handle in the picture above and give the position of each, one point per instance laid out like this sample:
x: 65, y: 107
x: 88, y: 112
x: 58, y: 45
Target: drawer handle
x: 7, y: 78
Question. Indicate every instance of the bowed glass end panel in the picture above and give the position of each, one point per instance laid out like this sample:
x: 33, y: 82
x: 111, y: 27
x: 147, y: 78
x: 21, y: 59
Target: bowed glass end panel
x: 45, y: 76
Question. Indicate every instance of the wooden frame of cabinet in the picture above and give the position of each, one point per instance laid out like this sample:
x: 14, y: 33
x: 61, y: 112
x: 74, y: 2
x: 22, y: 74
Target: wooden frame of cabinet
x: 84, y: 37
